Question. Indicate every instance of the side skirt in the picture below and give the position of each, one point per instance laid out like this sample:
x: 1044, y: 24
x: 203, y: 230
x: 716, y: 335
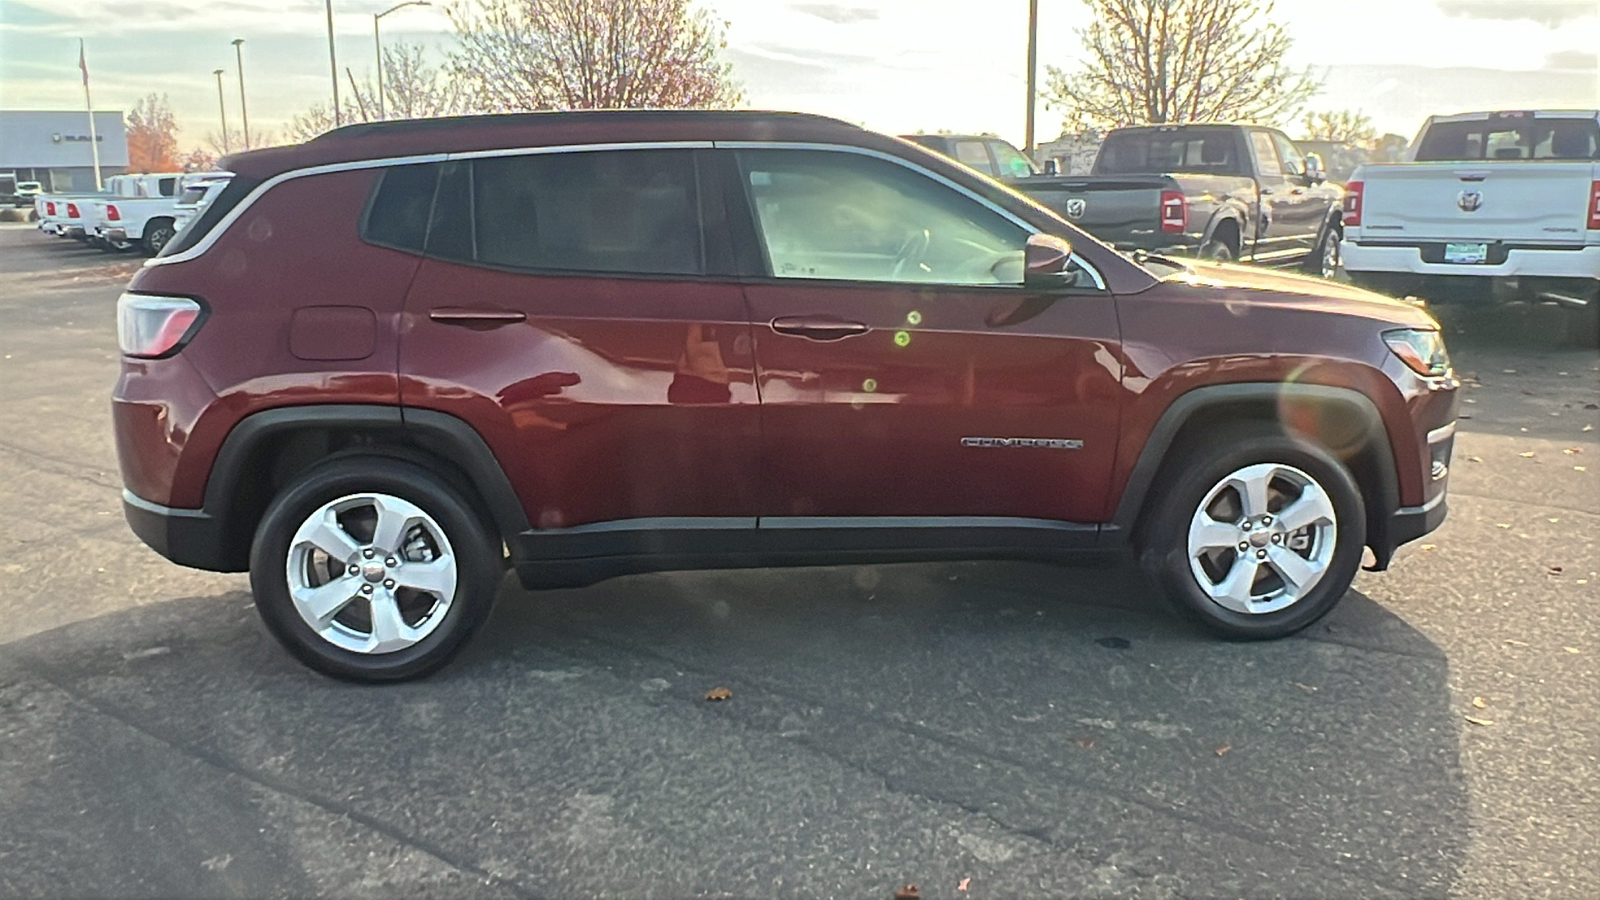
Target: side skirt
x: 586, y: 554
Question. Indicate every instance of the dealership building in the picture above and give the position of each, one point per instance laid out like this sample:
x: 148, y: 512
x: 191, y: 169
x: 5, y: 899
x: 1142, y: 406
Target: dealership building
x: 52, y: 147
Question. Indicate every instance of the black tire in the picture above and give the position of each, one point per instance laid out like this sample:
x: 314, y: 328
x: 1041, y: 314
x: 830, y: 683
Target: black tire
x: 157, y: 235
x: 1217, y: 251
x: 477, y: 557
x: 1191, y: 476
x: 1324, y: 259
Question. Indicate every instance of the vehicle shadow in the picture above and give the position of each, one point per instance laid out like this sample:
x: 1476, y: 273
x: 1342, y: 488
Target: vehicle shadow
x: 1043, y: 731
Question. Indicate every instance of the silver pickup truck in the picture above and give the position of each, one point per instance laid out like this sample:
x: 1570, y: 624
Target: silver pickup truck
x: 1490, y: 206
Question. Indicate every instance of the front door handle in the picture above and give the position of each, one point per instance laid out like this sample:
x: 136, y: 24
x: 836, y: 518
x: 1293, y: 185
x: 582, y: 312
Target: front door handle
x: 457, y: 315
x: 818, y: 328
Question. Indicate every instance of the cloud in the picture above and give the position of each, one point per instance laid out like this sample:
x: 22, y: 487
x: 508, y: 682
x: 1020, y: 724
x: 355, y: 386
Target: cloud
x: 839, y: 15
x: 1545, y: 12
x: 1573, y: 59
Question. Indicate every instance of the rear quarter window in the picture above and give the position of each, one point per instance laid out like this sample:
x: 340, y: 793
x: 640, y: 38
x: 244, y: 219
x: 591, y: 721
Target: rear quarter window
x: 397, y: 215
x: 238, y: 188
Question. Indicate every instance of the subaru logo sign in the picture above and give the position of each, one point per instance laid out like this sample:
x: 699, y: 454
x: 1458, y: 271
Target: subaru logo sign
x: 1469, y: 201
x: 1076, y: 207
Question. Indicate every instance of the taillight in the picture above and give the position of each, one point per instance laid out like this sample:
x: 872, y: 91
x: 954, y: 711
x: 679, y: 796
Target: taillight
x: 1352, y: 203
x: 49, y: 209
x: 1174, y: 211
x: 150, y: 327
x: 1594, y: 205
x: 72, y: 210
x: 112, y: 214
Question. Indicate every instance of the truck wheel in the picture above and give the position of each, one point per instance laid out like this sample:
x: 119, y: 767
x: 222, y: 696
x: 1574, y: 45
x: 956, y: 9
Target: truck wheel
x: 156, y: 236
x: 1324, y: 259
x: 372, y: 569
x: 1216, y: 251
x: 1255, y: 535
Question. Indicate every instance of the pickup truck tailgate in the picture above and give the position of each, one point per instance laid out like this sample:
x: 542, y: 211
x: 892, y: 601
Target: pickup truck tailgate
x: 1111, y: 208
x: 1540, y: 202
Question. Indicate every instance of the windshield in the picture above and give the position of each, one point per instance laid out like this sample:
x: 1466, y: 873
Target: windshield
x: 1153, y: 151
x: 1507, y: 138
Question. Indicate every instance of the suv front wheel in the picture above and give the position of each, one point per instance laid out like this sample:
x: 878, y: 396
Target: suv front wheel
x: 1255, y: 535
x: 372, y: 569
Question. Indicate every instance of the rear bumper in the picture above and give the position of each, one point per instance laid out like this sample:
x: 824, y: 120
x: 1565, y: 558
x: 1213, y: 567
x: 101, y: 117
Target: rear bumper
x: 120, y: 235
x: 1552, y: 263
x: 188, y: 537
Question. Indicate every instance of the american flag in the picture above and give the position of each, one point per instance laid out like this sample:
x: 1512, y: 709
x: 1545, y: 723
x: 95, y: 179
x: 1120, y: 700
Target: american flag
x: 83, y: 64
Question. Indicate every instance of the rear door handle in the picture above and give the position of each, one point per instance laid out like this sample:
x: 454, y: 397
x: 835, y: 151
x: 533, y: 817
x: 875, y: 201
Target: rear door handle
x: 818, y: 328
x: 458, y: 315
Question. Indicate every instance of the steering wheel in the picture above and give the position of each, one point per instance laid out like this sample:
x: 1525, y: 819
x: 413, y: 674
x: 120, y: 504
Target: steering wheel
x: 912, y: 251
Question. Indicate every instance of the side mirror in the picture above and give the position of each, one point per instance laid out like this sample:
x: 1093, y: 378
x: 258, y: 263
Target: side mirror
x: 1050, y: 167
x: 1047, y: 263
x: 1314, y: 170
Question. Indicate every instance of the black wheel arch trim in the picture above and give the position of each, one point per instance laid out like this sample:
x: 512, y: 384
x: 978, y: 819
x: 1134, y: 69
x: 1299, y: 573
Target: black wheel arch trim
x: 430, y: 430
x: 1158, y: 445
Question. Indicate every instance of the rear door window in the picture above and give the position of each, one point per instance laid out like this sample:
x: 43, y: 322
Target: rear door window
x: 626, y: 212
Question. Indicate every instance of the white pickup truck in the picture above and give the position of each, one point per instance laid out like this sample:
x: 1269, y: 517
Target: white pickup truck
x: 1488, y: 206
x: 141, y: 212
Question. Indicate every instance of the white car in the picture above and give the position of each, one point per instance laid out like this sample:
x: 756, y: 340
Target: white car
x: 1491, y: 205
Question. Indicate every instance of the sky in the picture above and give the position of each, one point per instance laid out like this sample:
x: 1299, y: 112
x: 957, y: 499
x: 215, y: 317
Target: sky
x: 892, y: 65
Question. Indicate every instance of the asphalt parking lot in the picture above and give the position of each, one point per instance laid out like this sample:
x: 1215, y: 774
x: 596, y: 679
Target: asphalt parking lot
x: 980, y: 730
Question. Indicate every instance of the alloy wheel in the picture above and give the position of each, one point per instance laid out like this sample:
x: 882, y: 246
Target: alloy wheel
x: 1262, y: 538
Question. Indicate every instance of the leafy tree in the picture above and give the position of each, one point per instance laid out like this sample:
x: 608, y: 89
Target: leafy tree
x: 519, y: 55
x: 199, y: 159
x: 152, y: 136
x: 1343, y: 126
x: 1155, y: 61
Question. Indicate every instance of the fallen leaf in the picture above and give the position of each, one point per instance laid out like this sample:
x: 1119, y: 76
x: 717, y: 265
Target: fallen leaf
x: 1527, y: 455
x: 1572, y: 649
x: 1580, y: 468
x: 1480, y: 703
x: 1474, y: 459
x: 907, y: 892
x: 1477, y: 721
x: 1085, y: 743
x: 1221, y: 751
x: 1588, y: 427
x: 1583, y: 581
x: 1555, y: 570
x: 1305, y: 687
x: 1501, y: 525
x: 1509, y: 371
x: 1571, y: 450
x: 718, y: 693
x: 1516, y: 643
x: 962, y: 884
x: 1591, y: 406
x: 1429, y: 546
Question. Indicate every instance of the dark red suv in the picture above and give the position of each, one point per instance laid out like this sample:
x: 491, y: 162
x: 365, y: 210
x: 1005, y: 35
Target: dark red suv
x: 616, y: 342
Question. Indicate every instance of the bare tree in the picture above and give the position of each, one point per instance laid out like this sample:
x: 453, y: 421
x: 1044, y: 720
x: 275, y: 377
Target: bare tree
x: 589, y: 54
x: 318, y: 118
x: 218, y: 148
x: 1154, y: 61
x: 412, y: 89
x: 1343, y: 127
x: 152, y: 135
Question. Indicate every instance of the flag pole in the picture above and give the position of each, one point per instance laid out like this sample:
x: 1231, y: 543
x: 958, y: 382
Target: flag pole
x: 94, y: 139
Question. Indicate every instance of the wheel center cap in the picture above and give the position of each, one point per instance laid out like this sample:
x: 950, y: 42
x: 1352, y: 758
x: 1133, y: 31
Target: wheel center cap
x: 1260, y: 538
x: 373, y: 572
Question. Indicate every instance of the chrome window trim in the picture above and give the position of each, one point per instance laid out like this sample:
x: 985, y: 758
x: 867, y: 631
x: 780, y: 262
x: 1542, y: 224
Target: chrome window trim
x: 1099, y: 282
x: 239, y: 209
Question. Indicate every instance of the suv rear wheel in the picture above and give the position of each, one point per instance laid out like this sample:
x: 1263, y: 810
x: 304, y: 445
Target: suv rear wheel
x: 372, y: 569
x: 1256, y: 535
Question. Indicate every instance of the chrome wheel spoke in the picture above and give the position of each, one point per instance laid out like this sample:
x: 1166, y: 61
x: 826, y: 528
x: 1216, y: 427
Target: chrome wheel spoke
x: 1312, y: 508
x: 1252, y: 485
x: 320, y: 604
x: 389, y: 631
x: 1208, y: 534
x: 326, y: 534
x: 437, y: 577
x: 1297, y: 572
x: 1233, y: 591
x: 394, y: 519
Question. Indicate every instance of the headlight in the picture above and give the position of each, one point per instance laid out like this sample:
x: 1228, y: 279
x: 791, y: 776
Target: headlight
x: 1422, y: 351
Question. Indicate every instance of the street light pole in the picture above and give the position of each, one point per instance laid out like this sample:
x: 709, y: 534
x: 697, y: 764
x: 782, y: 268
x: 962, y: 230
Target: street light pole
x: 333, y: 66
x: 1033, y: 72
x: 377, y: 47
x: 244, y: 112
x: 222, y: 110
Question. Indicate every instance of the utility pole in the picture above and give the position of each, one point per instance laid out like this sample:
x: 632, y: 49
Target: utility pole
x: 1033, y: 74
x: 243, y: 111
x: 333, y: 66
x: 222, y: 110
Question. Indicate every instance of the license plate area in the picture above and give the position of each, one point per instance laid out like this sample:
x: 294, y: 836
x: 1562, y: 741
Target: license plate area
x: 1466, y: 254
